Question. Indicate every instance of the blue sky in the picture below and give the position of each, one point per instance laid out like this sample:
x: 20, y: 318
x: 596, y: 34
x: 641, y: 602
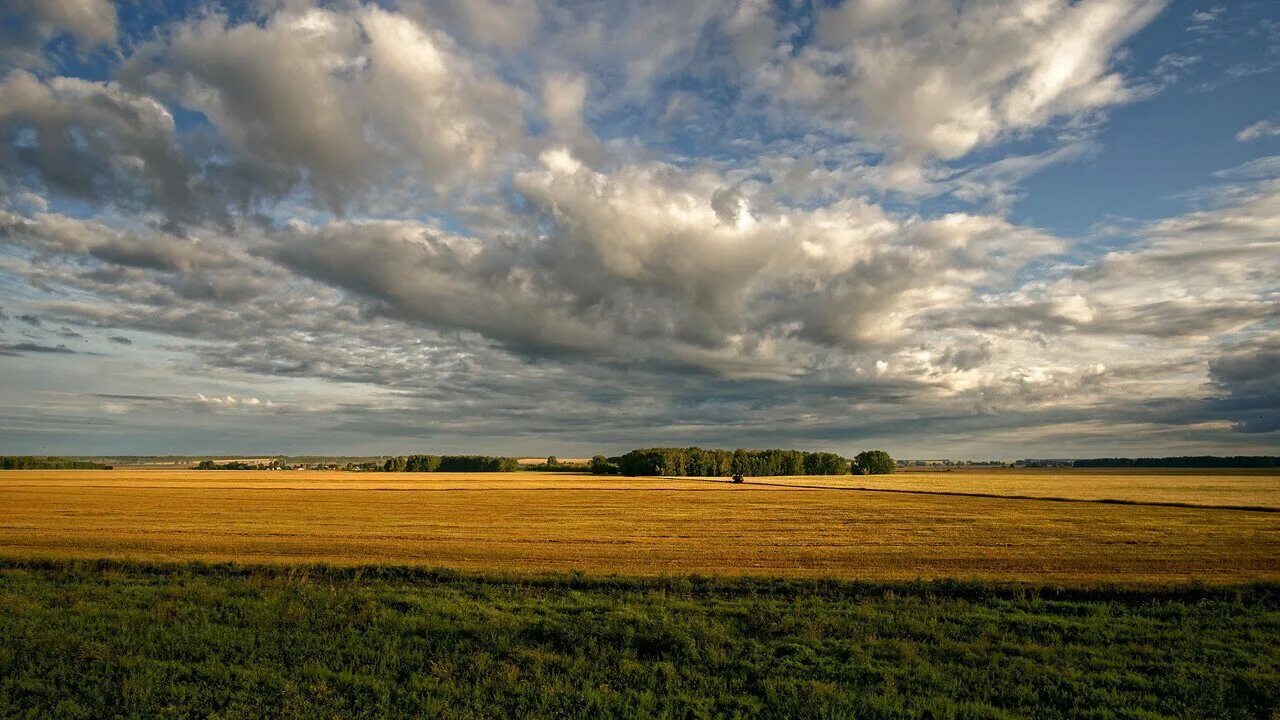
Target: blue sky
x: 1003, y: 228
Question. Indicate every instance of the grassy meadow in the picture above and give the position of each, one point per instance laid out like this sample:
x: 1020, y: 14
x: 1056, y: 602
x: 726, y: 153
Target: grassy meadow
x: 117, y: 640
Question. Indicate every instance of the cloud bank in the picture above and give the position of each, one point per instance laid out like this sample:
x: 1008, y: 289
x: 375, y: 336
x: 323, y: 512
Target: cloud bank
x: 522, y: 225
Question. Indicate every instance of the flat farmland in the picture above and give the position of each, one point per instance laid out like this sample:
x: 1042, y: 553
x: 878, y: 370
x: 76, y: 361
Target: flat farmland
x: 1258, y: 489
x: 1066, y: 527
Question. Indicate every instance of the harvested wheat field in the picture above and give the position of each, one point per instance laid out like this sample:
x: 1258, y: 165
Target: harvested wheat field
x: 1251, y: 489
x: 885, y: 528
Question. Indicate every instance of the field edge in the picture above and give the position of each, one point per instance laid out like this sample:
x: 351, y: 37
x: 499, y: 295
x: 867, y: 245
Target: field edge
x: 1259, y: 592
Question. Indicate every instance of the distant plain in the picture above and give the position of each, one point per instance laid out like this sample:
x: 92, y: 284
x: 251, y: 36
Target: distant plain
x: 1061, y: 526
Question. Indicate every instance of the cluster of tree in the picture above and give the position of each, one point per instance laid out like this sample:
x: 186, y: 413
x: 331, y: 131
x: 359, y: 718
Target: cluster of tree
x: 601, y: 465
x: 553, y: 464
x: 233, y: 465
x: 1193, y: 461
x: 695, y: 461
x: 450, y: 463
x: 1045, y: 463
x: 334, y: 462
x: 873, y: 462
x: 25, y: 462
x: 953, y: 463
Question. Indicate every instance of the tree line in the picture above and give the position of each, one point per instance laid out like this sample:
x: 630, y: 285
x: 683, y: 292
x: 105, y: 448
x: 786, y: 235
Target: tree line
x: 553, y: 464
x: 450, y: 463
x: 27, y: 462
x: 1187, y: 461
x: 699, y: 462
x: 232, y: 465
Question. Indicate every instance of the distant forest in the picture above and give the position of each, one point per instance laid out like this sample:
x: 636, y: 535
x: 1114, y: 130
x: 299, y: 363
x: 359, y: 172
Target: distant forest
x: 1191, y: 461
x: 697, y: 462
x: 450, y: 463
x: 402, y: 463
x: 20, y: 462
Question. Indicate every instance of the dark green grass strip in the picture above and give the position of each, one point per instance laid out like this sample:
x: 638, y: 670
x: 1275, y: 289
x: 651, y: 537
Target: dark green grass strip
x: 132, y: 640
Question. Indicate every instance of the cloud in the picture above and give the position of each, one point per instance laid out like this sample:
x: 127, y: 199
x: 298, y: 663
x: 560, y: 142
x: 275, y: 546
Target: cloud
x: 1257, y: 169
x: 19, y: 348
x: 505, y: 24
x: 1202, y: 20
x: 230, y: 401
x: 968, y: 357
x: 998, y: 182
x: 634, y: 47
x: 337, y: 100
x: 1249, y: 376
x: 563, y: 98
x: 1171, y: 66
x: 92, y: 22
x: 1196, y: 275
x: 96, y: 141
x: 939, y: 79
x: 494, y: 223
x: 1260, y: 129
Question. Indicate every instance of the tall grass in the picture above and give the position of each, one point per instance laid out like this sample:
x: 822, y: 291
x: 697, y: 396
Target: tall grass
x: 110, y: 639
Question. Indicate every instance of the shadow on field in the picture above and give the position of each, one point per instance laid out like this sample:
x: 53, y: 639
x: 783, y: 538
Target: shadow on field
x: 1000, y: 496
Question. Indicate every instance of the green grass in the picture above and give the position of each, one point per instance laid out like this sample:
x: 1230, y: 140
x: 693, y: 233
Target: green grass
x: 119, y: 640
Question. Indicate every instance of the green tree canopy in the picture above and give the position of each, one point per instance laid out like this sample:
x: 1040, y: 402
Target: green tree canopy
x: 600, y: 465
x: 873, y: 462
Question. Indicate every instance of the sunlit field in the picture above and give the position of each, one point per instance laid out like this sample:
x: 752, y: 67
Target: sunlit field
x: 1245, y: 488
x: 1043, y: 526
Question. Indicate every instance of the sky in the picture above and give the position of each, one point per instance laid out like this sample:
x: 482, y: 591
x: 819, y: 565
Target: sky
x: 947, y: 228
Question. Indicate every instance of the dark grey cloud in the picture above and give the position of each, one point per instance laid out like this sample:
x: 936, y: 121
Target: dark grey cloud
x: 96, y: 142
x: 968, y: 357
x: 19, y: 348
x: 1249, y: 377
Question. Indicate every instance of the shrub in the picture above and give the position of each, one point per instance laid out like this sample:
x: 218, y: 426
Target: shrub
x: 601, y: 465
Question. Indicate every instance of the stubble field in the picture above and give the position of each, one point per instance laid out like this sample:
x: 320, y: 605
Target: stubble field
x: 1043, y: 526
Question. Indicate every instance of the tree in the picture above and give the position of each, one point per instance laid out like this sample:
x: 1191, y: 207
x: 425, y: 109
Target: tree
x: 600, y: 465
x: 552, y: 460
x: 873, y: 462
x: 825, y: 463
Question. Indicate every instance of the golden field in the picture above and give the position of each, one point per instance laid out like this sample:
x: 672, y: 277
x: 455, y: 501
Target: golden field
x: 998, y: 524
x: 1221, y: 488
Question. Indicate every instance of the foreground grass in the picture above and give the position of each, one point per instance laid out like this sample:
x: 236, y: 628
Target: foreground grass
x: 109, y: 639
